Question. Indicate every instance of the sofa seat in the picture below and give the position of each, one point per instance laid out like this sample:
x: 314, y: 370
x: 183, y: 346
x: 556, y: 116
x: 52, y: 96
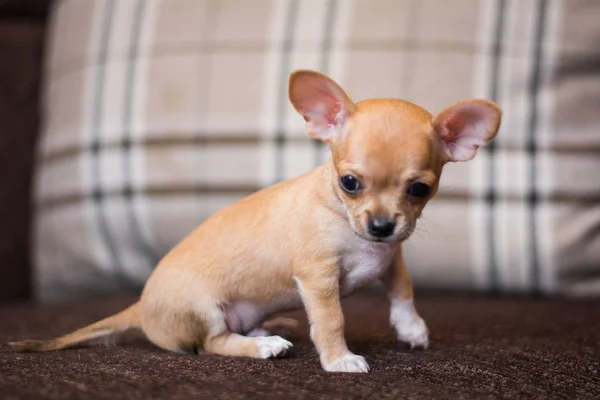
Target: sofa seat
x: 480, y: 348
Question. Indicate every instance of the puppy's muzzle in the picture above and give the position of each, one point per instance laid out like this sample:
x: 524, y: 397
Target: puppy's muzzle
x: 381, y: 227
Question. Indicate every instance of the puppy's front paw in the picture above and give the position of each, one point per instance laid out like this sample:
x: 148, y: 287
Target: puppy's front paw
x: 272, y: 346
x: 413, y: 332
x: 347, y: 363
x: 409, y: 326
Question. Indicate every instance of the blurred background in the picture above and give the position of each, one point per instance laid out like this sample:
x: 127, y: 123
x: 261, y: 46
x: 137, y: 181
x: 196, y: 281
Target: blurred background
x: 125, y: 123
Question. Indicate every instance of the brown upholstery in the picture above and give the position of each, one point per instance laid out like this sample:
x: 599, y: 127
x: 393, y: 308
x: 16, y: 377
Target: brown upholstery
x: 481, y: 348
x: 22, y: 34
x: 25, y: 9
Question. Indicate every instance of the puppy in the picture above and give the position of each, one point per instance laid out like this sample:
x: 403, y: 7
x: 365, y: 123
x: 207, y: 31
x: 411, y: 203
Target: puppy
x: 310, y: 240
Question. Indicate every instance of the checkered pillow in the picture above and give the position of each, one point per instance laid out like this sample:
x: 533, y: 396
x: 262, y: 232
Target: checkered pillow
x: 160, y: 112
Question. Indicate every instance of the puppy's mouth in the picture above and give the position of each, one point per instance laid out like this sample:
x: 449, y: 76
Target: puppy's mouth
x: 398, y: 237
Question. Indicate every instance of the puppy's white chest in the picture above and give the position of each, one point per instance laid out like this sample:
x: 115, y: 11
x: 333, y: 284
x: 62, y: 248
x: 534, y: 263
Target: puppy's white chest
x: 364, y: 262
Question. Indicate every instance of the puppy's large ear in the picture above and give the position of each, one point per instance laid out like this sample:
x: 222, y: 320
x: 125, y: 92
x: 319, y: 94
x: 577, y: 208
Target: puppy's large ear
x: 322, y: 102
x: 467, y: 125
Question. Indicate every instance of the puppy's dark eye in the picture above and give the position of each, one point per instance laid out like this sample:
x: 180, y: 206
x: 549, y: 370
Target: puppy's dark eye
x: 350, y: 184
x: 419, y: 190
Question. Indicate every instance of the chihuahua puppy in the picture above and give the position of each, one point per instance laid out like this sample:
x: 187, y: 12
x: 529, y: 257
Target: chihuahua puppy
x: 310, y: 240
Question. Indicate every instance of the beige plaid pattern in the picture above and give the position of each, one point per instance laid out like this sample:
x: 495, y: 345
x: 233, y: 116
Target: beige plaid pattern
x: 160, y: 112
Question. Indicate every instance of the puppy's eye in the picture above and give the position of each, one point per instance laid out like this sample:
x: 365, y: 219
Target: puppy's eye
x: 419, y: 190
x: 350, y: 184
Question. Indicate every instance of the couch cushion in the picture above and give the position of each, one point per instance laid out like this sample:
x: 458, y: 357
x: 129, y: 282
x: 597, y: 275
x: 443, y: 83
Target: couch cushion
x: 159, y: 113
x: 21, y: 49
x: 30, y: 9
x: 481, y: 348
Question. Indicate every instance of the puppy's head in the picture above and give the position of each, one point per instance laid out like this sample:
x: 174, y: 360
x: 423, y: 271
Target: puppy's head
x: 388, y: 154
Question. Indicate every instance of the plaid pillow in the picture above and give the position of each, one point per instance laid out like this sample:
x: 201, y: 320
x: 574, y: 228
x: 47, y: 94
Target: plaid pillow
x: 158, y: 113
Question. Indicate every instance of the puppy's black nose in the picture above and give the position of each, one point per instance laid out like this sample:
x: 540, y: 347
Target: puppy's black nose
x: 381, y: 227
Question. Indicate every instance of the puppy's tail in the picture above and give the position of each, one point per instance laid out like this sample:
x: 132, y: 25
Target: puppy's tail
x: 126, y: 319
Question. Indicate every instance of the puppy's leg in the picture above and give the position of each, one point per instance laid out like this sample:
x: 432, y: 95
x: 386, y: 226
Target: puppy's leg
x: 320, y: 293
x: 409, y: 326
x: 224, y: 342
x: 234, y: 344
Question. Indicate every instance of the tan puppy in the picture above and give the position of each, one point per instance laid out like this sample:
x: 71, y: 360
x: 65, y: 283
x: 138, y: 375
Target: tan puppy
x: 309, y: 240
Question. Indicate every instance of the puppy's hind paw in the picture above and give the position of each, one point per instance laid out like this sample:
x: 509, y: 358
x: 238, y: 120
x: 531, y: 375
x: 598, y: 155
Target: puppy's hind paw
x: 272, y: 346
x: 258, y: 332
x: 347, y: 363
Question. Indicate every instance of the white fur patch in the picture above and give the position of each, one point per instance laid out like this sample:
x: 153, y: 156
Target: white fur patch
x: 272, y: 346
x: 363, y: 262
x: 299, y: 286
x: 409, y: 326
x: 347, y: 363
x: 258, y: 332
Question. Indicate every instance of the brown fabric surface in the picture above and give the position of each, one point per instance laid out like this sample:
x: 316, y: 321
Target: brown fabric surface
x: 36, y: 9
x: 481, y: 348
x: 21, y: 49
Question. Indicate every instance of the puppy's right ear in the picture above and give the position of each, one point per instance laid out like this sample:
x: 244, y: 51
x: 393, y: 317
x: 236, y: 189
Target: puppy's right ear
x: 322, y: 102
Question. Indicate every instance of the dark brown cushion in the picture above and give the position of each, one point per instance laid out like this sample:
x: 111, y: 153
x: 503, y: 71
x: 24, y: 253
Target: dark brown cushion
x: 21, y: 47
x: 25, y: 8
x: 481, y: 348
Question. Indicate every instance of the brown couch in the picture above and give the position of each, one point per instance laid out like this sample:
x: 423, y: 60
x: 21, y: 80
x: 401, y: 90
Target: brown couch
x: 482, y: 346
x: 22, y: 28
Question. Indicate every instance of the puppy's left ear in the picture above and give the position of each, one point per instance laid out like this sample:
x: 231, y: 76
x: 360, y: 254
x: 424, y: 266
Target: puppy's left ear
x: 467, y: 125
x: 322, y: 102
